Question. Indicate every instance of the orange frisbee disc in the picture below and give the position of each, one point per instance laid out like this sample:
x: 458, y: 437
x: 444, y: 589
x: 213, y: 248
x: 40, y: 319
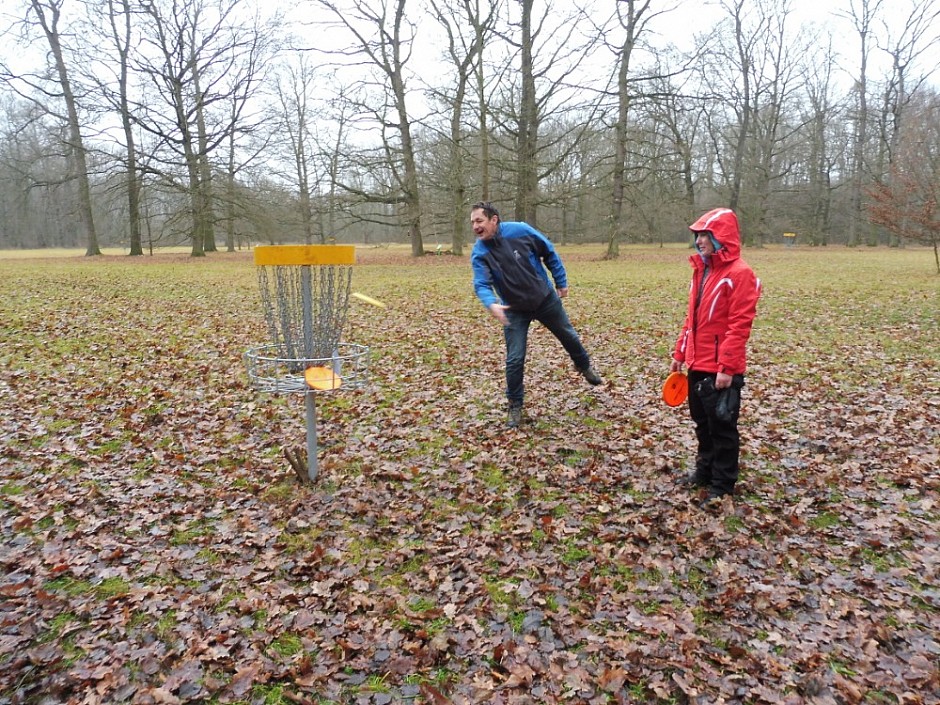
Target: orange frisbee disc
x: 676, y: 388
x: 322, y: 378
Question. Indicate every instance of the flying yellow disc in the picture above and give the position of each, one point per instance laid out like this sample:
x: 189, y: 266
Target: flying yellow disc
x: 322, y: 378
x: 368, y: 299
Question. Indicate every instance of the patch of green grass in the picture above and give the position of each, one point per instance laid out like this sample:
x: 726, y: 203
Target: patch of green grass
x: 437, y: 626
x: 826, y: 520
x: 56, y: 626
x: 882, y: 561
x: 537, y: 538
x: 376, y: 683
x: 638, y: 496
x: 695, y: 579
x: 702, y: 616
x: 13, y: 489
x: 111, y: 587
x: 441, y: 678
x: 650, y: 576
x: 499, y: 595
x: 300, y: 541
x: 182, y: 537
x: 625, y: 577
x: 227, y: 598
x: 574, y: 553
x: 270, y: 694
x: 142, y: 470
x: 164, y: 626
x: 287, y: 645
x: 111, y: 446
x: 55, y: 425
x: 842, y: 668
x: 69, y: 586
x: 922, y: 604
x: 414, y: 564
x: 571, y: 456
x: 421, y: 604
x: 492, y: 476
x: 260, y: 618
x: 362, y: 550
x: 594, y: 423
x: 280, y: 491
x: 207, y: 555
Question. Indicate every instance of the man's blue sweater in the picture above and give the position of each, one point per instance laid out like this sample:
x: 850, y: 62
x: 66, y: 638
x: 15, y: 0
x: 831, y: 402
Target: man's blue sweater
x: 513, y: 264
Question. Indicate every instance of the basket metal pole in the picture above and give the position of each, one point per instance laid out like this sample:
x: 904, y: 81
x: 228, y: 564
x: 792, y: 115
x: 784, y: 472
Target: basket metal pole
x: 307, y: 312
x: 312, y: 467
x: 306, y: 289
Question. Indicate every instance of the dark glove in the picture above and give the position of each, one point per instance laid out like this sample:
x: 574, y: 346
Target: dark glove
x: 725, y: 403
x: 729, y: 404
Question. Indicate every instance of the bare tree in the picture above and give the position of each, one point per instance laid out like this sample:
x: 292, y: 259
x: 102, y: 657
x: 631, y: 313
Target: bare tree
x: 907, y: 201
x: 382, y: 37
x: 465, y: 52
x: 755, y: 71
x: 632, y: 16
x: 822, y: 113
x: 917, y: 35
x: 294, y: 92
x: 37, y: 87
x: 114, y: 21
x: 862, y: 14
x: 204, y: 63
x: 552, y: 83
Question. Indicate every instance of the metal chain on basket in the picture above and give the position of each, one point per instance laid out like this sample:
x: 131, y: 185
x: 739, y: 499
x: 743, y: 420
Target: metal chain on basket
x: 305, y: 308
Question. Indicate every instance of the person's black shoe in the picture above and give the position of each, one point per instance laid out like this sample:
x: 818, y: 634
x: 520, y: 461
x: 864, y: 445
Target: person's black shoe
x: 713, y: 500
x: 515, y: 416
x: 693, y: 480
x: 590, y: 374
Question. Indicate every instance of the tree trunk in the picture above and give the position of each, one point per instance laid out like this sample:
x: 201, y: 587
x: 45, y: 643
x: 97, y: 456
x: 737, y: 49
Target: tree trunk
x: 744, y: 125
x: 205, y: 215
x: 527, y: 141
x: 50, y: 26
x: 122, y: 43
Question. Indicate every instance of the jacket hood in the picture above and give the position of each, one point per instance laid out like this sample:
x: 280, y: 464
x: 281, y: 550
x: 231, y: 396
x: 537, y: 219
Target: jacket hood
x: 722, y: 223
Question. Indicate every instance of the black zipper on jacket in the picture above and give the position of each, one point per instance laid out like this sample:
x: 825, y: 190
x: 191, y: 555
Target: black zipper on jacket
x: 698, y: 300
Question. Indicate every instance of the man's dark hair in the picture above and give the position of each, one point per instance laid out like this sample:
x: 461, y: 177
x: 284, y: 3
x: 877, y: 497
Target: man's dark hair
x: 488, y: 208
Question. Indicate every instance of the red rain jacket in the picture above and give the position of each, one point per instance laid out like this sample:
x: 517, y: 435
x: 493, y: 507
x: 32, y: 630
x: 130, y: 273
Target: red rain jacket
x: 720, y: 314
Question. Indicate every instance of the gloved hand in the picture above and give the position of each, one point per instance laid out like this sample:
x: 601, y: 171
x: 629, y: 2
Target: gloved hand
x: 725, y: 403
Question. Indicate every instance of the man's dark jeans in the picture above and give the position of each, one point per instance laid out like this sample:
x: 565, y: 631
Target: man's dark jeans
x: 719, y: 444
x: 551, y: 314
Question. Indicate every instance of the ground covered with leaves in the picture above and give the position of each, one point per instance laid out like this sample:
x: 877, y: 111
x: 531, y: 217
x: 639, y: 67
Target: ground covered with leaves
x: 158, y: 548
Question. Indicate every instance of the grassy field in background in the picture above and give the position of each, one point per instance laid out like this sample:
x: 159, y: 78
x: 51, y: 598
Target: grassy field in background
x: 158, y: 548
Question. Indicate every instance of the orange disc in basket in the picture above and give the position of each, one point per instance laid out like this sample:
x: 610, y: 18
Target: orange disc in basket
x: 676, y: 388
x: 322, y: 378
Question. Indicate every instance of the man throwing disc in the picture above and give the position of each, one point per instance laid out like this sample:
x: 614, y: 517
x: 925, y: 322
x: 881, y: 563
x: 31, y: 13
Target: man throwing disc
x: 509, y: 263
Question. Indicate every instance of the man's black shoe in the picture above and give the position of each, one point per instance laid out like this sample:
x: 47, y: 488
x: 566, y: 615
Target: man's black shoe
x: 515, y: 416
x: 713, y: 500
x: 590, y: 374
x: 693, y: 480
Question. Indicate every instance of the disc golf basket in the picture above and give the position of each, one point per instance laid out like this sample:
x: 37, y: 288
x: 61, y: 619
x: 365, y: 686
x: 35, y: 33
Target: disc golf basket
x: 305, y: 296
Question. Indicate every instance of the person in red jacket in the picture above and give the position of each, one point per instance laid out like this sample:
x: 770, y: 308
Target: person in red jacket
x: 722, y: 305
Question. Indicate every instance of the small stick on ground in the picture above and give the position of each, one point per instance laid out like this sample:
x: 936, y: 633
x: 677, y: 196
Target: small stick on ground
x: 297, y: 457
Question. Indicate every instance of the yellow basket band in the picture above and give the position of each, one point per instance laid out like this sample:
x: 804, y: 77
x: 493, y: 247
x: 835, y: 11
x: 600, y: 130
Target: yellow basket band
x: 305, y: 254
